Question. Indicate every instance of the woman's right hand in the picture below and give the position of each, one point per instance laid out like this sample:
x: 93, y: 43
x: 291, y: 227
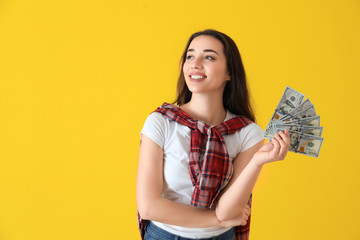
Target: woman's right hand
x: 240, y: 219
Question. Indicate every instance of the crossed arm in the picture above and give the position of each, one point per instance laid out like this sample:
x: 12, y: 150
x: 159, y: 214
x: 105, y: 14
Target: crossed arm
x: 231, y: 208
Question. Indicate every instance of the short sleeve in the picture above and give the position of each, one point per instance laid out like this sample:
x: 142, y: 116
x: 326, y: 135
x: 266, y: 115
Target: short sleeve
x: 250, y: 135
x: 154, y: 128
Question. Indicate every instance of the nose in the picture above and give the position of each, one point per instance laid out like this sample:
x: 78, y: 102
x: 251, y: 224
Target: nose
x: 196, y: 63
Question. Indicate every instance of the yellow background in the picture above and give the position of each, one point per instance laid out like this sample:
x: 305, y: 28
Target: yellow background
x: 78, y: 78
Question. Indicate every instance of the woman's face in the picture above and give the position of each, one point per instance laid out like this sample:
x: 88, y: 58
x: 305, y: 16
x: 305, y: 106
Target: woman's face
x: 205, y: 69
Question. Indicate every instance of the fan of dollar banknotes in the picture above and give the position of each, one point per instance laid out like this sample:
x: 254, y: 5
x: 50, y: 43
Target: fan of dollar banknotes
x: 300, y: 118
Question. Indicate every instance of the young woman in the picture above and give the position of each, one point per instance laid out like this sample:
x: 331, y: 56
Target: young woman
x: 199, y: 159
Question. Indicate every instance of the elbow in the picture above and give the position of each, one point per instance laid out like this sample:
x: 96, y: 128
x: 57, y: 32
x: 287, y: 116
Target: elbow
x: 222, y: 215
x: 226, y: 214
x: 147, y: 209
x: 144, y: 211
x: 144, y: 215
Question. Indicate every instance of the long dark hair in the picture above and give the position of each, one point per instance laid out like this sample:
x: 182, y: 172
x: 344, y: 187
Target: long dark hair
x: 236, y: 97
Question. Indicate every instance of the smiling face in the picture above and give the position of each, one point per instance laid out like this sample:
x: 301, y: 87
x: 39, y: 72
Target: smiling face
x: 205, y: 68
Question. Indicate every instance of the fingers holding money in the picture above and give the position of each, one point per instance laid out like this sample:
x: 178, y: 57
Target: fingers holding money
x: 275, y: 150
x: 281, y: 143
x: 283, y: 139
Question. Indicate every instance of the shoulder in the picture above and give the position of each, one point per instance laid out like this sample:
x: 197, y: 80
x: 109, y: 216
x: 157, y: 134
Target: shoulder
x: 155, y: 127
x: 250, y: 135
x: 155, y: 118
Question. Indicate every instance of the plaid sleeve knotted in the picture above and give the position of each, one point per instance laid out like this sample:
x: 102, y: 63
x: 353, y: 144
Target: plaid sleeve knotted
x: 210, y: 166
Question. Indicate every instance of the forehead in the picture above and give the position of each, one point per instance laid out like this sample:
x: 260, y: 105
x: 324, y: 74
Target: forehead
x: 203, y: 42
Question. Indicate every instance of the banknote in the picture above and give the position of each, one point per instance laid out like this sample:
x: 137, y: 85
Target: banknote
x: 300, y: 118
x: 288, y: 102
x: 305, y: 144
x: 303, y: 106
x: 309, y: 121
x: 309, y: 112
x: 310, y: 130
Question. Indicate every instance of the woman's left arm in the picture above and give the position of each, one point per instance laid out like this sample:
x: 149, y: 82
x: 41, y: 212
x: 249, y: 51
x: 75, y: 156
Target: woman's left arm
x: 247, y: 167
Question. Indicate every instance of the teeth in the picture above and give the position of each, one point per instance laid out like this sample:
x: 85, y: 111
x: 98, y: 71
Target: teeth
x: 197, y: 76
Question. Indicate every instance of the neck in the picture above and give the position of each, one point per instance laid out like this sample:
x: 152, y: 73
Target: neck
x: 206, y: 108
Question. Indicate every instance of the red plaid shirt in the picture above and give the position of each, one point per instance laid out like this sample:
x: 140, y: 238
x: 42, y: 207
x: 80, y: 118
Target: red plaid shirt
x: 210, y: 166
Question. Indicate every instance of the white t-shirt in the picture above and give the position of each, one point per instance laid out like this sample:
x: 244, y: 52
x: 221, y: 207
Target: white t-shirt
x: 174, y: 139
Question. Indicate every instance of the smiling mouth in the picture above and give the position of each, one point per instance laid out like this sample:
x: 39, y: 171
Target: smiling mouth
x: 197, y: 77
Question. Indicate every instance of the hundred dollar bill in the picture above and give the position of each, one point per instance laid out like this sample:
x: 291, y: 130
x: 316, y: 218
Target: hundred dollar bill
x: 309, y: 112
x: 305, y: 144
x: 272, y: 130
x: 309, y: 130
x: 288, y: 102
x: 309, y: 121
x: 303, y: 106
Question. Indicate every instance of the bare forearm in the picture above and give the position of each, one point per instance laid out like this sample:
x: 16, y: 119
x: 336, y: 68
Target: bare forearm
x: 169, y: 212
x: 235, y: 198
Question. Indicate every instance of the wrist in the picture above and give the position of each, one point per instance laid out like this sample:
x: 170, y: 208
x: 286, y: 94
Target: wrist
x: 256, y: 163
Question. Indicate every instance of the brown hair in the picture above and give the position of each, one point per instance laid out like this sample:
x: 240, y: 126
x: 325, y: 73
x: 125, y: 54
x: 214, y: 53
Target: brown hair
x: 236, y: 97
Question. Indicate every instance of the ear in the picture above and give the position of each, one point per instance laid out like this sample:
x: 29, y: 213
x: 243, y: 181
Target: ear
x: 228, y: 77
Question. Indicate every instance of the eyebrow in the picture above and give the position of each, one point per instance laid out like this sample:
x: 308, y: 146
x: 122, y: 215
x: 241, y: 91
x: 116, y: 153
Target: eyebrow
x: 205, y: 50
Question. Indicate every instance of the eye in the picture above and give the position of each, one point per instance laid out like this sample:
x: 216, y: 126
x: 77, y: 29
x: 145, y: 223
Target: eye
x: 188, y: 57
x: 209, y: 58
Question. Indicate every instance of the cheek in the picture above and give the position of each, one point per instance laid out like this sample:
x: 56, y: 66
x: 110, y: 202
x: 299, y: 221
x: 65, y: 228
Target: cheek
x: 220, y: 68
x: 221, y: 72
x: 185, y: 67
x: 185, y: 70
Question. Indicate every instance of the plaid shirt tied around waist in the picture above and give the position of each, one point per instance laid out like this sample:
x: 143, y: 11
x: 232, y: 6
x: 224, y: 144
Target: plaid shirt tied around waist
x: 210, y: 166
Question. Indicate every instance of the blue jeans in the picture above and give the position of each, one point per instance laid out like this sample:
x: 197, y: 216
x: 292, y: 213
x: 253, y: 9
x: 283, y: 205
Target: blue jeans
x: 153, y: 232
